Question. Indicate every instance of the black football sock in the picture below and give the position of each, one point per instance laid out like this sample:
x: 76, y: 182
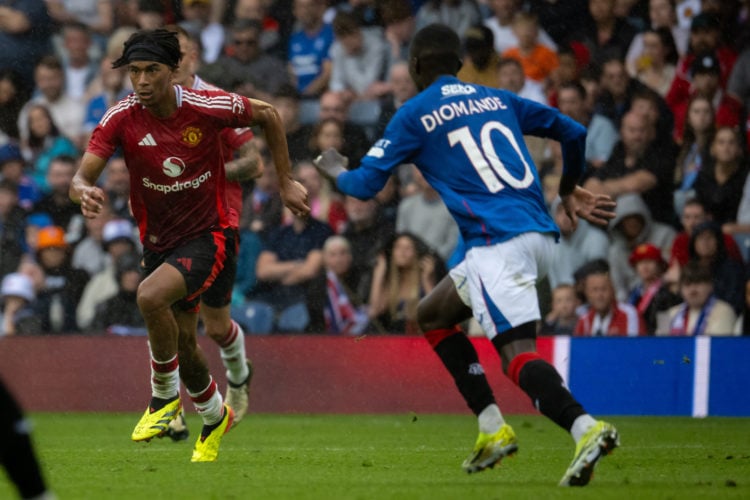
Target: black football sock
x: 460, y: 358
x: 545, y: 387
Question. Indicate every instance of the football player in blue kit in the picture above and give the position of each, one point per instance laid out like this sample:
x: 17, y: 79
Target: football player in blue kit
x: 467, y: 140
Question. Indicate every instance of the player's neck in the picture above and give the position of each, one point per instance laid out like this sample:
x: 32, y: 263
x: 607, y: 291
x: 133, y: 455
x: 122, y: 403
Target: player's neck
x: 166, y: 106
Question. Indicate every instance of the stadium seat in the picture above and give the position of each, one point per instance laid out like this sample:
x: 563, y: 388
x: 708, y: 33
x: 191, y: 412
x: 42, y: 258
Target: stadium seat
x: 254, y: 316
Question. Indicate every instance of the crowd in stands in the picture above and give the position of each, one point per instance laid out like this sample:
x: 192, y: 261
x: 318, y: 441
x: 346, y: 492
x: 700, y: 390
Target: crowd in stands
x: 663, y: 87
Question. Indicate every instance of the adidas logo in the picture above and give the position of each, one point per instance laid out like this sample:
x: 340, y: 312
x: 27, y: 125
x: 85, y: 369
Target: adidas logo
x: 147, y: 140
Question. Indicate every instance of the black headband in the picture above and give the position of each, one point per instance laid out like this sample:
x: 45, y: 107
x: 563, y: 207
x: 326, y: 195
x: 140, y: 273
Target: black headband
x: 147, y: 50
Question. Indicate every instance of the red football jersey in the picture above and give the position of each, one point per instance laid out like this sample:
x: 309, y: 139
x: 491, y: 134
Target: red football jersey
x: 176, y: 164
x: 233, y: 139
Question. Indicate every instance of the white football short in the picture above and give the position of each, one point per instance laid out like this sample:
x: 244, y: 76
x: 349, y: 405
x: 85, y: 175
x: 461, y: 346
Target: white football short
x: 499, y: 282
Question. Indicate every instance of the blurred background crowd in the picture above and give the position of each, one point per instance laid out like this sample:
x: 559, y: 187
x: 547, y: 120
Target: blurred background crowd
x: 662, y: 86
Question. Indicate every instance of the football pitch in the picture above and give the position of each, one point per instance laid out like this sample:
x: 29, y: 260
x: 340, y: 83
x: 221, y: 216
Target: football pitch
x: 90, y: 456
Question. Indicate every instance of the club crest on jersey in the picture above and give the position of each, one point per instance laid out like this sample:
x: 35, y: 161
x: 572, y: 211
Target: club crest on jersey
x: 173, y: 167
x: 192, y: 136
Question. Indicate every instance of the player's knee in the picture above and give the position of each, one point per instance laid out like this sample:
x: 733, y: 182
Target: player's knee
x: 149, y: 299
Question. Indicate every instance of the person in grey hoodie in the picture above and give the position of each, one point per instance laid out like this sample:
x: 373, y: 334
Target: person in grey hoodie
x: 632, y: 226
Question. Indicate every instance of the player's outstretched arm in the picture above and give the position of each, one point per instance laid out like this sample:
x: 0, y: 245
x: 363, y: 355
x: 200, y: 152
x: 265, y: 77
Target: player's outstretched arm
x: 293, y: 194
x: 595, y: 208
x: 83, y: 188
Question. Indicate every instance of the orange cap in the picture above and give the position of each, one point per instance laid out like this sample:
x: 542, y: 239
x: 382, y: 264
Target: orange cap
x: 51, y: 236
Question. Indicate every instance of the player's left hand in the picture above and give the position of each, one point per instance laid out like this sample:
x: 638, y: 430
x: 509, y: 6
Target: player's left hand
x: 331, y: 164
x: 598, y: 209
x: 92, y: 200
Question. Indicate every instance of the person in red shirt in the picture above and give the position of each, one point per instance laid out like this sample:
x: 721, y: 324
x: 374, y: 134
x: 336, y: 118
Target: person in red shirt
x: 242, y: 162
x: 606, y: 317
x: 170, y: 137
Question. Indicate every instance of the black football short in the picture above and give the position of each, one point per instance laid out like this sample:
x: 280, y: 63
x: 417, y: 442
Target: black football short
x: 201, y: 261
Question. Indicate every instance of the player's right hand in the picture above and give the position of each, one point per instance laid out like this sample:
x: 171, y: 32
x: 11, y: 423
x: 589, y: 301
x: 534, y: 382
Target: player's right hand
x: 92, y: 201
x: 294, y: 196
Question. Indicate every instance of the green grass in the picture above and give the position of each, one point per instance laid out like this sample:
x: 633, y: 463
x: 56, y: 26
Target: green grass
x: 386, y: 457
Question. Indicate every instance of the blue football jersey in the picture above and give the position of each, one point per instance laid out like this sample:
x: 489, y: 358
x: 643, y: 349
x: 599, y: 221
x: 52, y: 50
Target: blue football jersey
x: 467, y: 140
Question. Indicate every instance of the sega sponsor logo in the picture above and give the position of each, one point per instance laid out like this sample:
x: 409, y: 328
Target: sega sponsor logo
x: 177, y: 186
x: 457, y: 89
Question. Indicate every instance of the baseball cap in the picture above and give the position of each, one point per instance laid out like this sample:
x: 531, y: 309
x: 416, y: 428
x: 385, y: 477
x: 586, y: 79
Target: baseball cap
x: 51, y: 236
x: 706, y: 63
x: 10, y: 152
x: 705, y: 21
x: 39, y: 219
x: 646, y: 251
x: 17, y: 285
x: 117, y: 230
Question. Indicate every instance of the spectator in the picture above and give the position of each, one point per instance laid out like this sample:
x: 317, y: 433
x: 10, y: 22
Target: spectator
x: 89, y: 254
x: 356, y: 141
x: 693, y: 214
x: 367, y: 231
x: 246, y: 69
x: 25, y: 29
x: 701, y: 313
x: 652, y: 295
x: 742, y: 325
x: 17, y: 316
x: 424, y: 215
x: 402, y: 89
x: 538, y: 61
x: 510, y: 77
x: 45, y: 142
x: 662, y: 14
x: 325, y: 204
x: 345, y: 312
x: 632, y: 226
x: 13, y: 95
x: 309, y: 47
x: 561, y: 19
x: 399, y: 23
x: 562, y: 319
x: 480, y: 59
x: 117, y: 187
x: 12, y: 222
x: 707, y: 248
x: 739, y: 85
x: 262, y: 209
x: 636, y: 166
x: 289, y: 263
x: 76, y: 56
x: 655, y: 66
x: 67, y: 113
x: 151, y: 14
x: 699, y: 131
x: 57, y: 203
x: 97, y: 16
x: 112, y: 87
x: 606, y: 316
x: 359, y: 58
x: 270, y: 40
x: 404, y: 273
x: 617, y: 90
x: 327, y: 133
x: 501, y: 25
x: 459, y: 15
x: 287, y: 103
x: 13, y: 169
x: 609, y: 36
x: 659, y: 121
x: 119, y: 314
x: 576, y: 247
x: 705, y: 73
x: 719, y: 185
x: 63, y: 285
x: 34, y: 223
x: 602, y: 135
x: 195, y: 16
x: 118, y: 238
x: 705, y: 38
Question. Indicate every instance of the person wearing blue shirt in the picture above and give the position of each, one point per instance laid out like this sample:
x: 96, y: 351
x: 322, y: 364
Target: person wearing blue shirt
x: 467, y: 140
